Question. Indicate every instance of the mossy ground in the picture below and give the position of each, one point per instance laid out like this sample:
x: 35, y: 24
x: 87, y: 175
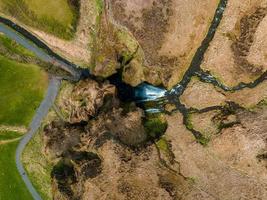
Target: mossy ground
x: 163, y: 145
x: 203, y: 140
x: 55, y: 17
x: 155, y: 125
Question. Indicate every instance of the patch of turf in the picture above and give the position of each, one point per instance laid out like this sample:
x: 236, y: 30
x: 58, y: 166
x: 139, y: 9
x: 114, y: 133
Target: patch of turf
x: 9, y: 135
x: 155, y: 126
x: 11, y: 185
x: 38, y: 167
x: 163, y: 145
x: 203, y: 140
x: 55, y: 17
x: 21, y: 91
x: 99, y: 5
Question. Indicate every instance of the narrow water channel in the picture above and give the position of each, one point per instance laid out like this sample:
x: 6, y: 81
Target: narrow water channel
x: 144, y: 92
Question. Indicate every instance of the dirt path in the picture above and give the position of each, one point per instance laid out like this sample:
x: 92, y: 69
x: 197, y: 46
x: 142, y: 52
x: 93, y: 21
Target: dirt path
x: 9, y: 141
x: 20, y: 129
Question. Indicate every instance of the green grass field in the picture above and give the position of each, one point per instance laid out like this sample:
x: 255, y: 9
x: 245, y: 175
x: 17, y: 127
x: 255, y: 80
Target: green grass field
x: 11, y: 185
x: 57, y: 17
x: 21, y: 91
x: 22, y: 88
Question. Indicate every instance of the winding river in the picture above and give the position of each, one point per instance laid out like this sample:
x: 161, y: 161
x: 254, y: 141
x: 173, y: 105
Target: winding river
x: 140, y: 94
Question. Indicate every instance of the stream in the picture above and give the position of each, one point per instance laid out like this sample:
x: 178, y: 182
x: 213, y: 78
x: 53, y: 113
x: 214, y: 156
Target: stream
x: 143, y: 93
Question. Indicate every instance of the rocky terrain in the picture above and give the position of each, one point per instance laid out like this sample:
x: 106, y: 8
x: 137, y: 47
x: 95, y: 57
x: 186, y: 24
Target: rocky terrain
x: 104, y: 148
x: 104, y: 151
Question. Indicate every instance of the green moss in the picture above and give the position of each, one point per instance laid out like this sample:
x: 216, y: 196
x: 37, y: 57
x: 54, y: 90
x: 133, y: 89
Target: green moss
x: 163, y: 145
x: 230, y: 35
x: 228, y: 125
x: 99, y: 6
x: 126, y: 38
x: 203, y: 140
x: 97, y: 9
x: 189, y: 123
x: 155, y: 126
x: 261, y: 104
